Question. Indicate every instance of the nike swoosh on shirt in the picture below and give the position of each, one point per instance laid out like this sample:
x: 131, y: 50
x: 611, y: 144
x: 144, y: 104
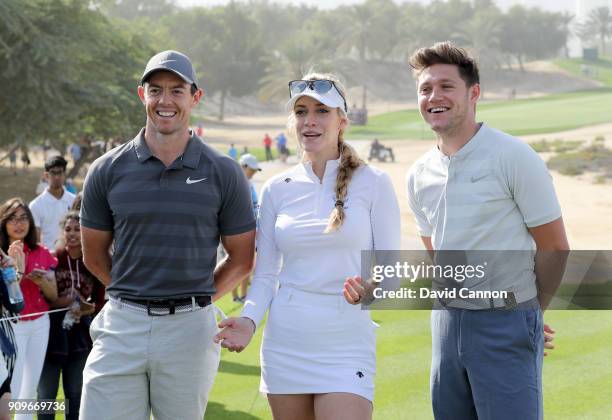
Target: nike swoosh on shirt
x: 193, y: 181
x: 478, y: 178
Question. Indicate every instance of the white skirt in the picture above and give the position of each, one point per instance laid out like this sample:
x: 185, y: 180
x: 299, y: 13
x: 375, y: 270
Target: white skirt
x: 315, y: 343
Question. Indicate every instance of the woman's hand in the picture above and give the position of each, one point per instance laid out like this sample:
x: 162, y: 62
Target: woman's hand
x: 236, y: 333
x: 15, y: 251
x: 45, y: 279
x: 5, y: 260
x: 39, y: 276
x: 354, y: 290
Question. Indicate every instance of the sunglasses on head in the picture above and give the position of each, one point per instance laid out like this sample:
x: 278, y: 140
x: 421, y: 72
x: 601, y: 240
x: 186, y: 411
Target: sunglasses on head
x: 321, y: 86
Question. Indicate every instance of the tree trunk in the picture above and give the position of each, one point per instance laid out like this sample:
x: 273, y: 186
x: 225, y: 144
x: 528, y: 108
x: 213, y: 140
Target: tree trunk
x: 85, y: 152
x: 222, y: 104
x: 362, y: 49
x: 520, y: 60
x: 12, y: 149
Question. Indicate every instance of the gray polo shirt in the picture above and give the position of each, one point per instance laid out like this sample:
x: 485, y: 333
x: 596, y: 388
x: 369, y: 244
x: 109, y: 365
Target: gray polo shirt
x: 166, y: 222
x: 486, y: 197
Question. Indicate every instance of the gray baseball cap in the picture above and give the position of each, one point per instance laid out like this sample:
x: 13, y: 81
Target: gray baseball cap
x: 173, y: 61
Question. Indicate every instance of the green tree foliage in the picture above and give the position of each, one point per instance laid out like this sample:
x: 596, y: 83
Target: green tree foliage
x: 69, y: 68
x: 531, y: 33
x: 597, y: 26
x: 66, y: 71
x: 481, y: 33
x: 224, y: 43
x: 138, y: 9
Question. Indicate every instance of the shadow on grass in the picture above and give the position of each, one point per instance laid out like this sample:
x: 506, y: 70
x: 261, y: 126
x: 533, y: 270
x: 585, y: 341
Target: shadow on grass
x: 216, y: 411
x: 238, y: 368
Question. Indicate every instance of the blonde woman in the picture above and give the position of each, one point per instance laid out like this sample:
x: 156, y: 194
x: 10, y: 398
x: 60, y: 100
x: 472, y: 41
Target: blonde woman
x: 318, y: 350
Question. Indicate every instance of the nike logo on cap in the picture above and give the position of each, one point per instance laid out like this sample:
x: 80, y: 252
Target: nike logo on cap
x: 166, y: 61
x: 193, y: 181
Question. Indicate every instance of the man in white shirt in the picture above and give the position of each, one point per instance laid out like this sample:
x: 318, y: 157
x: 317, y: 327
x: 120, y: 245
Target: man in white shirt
x: 483, y: 190
x: 54, y: 202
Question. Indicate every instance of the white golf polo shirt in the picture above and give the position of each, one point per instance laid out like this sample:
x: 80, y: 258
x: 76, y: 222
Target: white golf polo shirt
x: 485, y: 197
x: 293, y: 251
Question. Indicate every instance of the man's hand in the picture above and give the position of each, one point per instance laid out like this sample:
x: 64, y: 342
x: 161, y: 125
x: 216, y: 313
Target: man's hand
x: 549, y: 336
x: 236, y: 333
x: 354, y: 290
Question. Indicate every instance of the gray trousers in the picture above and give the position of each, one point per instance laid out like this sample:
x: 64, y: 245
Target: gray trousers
x: 487, y: 364
x: 142, y: 365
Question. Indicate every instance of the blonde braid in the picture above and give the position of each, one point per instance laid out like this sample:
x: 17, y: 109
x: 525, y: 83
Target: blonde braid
x: 349, y: 161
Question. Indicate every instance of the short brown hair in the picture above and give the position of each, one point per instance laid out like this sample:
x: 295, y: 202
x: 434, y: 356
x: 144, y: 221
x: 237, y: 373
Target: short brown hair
x: 446, y: 53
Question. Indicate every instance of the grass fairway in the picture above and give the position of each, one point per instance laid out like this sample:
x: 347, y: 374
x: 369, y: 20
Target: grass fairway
x: 548, y: 114
x: 600, y: 70
x: 577, y: 375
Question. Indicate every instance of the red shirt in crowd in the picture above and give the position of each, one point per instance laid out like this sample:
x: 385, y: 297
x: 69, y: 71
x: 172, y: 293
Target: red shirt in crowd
x: 33, y: 297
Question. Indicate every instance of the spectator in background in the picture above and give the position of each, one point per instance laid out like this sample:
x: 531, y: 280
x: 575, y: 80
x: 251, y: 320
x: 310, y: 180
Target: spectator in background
x: 18, y: 239
x: 233, y: 152
x: 53, y: 203
x: 25, y: 157
x: 13, y: 161
x: 267, y: 142
x: 199, y: 130
x: 75, y: 152
x: 281, y: 146
x: 8, y: 309
x: 250, y: 167
x: 70, y: 187
x: 46, y: 147
x: 68, y: 348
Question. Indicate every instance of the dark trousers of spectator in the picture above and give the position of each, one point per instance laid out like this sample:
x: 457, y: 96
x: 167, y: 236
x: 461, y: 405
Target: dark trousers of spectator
x: 72, y: 381
x: 269, y: 153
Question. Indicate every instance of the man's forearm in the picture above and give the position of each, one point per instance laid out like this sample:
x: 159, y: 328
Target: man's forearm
x: 100, y: 267
x: 228, y: 274
x: 549, y: 269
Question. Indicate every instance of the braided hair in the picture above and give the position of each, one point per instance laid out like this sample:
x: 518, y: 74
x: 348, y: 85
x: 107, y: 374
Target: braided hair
x: 349, y: 161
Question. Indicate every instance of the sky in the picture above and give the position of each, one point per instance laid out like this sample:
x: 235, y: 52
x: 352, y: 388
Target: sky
x: 552, y: 5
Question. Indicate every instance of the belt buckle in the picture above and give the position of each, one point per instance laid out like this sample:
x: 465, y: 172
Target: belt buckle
x: 510, y: 301
x: 171, y: 307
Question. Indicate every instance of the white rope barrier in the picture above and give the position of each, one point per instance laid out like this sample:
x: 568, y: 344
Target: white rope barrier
x: 34, y: 314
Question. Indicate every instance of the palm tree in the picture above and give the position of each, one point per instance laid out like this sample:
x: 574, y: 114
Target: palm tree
x: 599, y: 23
x: 290, y: 62
x: 360, y: 29
x: 565, y: 20
x: 482, y: 33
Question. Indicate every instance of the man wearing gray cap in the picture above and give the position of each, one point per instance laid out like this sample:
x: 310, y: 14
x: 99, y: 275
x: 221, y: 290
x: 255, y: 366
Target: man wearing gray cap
x: 250, y: 167
x: 164, y: 199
